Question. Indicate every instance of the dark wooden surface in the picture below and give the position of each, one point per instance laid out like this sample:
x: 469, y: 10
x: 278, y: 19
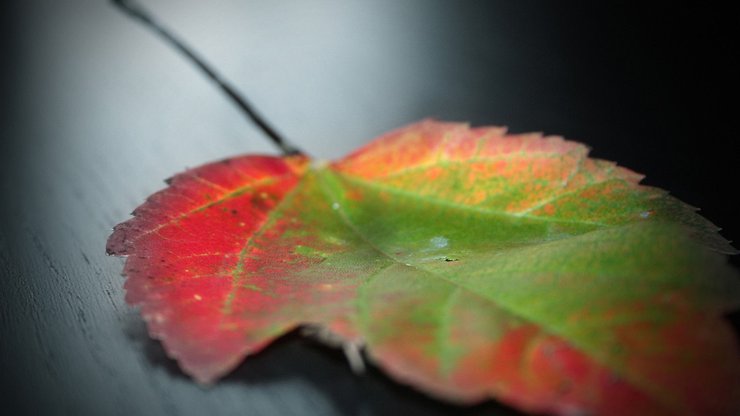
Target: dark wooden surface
x: 97, y: 112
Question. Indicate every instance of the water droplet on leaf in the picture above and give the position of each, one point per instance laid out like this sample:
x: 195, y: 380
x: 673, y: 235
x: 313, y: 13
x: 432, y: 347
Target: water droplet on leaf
x: 439, y: 242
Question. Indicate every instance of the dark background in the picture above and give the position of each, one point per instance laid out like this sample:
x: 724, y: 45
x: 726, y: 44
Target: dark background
x: 96, y: 112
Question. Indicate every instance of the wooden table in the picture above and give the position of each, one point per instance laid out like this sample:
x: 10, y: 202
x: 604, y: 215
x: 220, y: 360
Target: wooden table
x: 97, y: 112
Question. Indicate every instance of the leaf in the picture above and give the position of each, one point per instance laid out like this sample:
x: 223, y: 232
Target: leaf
x: 469, y: 263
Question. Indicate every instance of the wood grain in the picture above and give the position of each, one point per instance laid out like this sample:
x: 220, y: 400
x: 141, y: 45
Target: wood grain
x: 98, y: 112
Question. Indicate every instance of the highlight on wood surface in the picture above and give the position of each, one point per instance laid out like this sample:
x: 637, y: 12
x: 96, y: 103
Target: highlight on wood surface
x: 467, y: 263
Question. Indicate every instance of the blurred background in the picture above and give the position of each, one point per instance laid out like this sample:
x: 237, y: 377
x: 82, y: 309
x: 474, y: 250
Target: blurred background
x: 96, y: 112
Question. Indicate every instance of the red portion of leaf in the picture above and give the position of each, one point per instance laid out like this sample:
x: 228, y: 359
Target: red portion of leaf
x: 182, y: 256
x: 530, y: 369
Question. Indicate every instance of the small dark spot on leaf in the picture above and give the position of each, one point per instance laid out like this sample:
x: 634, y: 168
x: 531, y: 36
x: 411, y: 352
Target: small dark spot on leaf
x: 234, y: 212
x: 548, y: 350
x: 614, y: 378
x: 564, y: 388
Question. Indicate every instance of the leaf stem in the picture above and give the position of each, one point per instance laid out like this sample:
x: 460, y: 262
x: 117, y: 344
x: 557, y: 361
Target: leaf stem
x: 136, y: 12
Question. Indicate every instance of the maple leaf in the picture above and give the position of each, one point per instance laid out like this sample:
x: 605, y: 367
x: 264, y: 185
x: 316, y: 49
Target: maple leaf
x: 469, y: 263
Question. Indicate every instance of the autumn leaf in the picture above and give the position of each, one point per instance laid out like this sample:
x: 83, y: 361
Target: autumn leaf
x: 468, y: 263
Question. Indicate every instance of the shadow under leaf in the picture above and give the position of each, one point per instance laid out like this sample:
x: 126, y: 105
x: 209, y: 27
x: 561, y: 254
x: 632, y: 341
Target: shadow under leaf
x: 300, y: 359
